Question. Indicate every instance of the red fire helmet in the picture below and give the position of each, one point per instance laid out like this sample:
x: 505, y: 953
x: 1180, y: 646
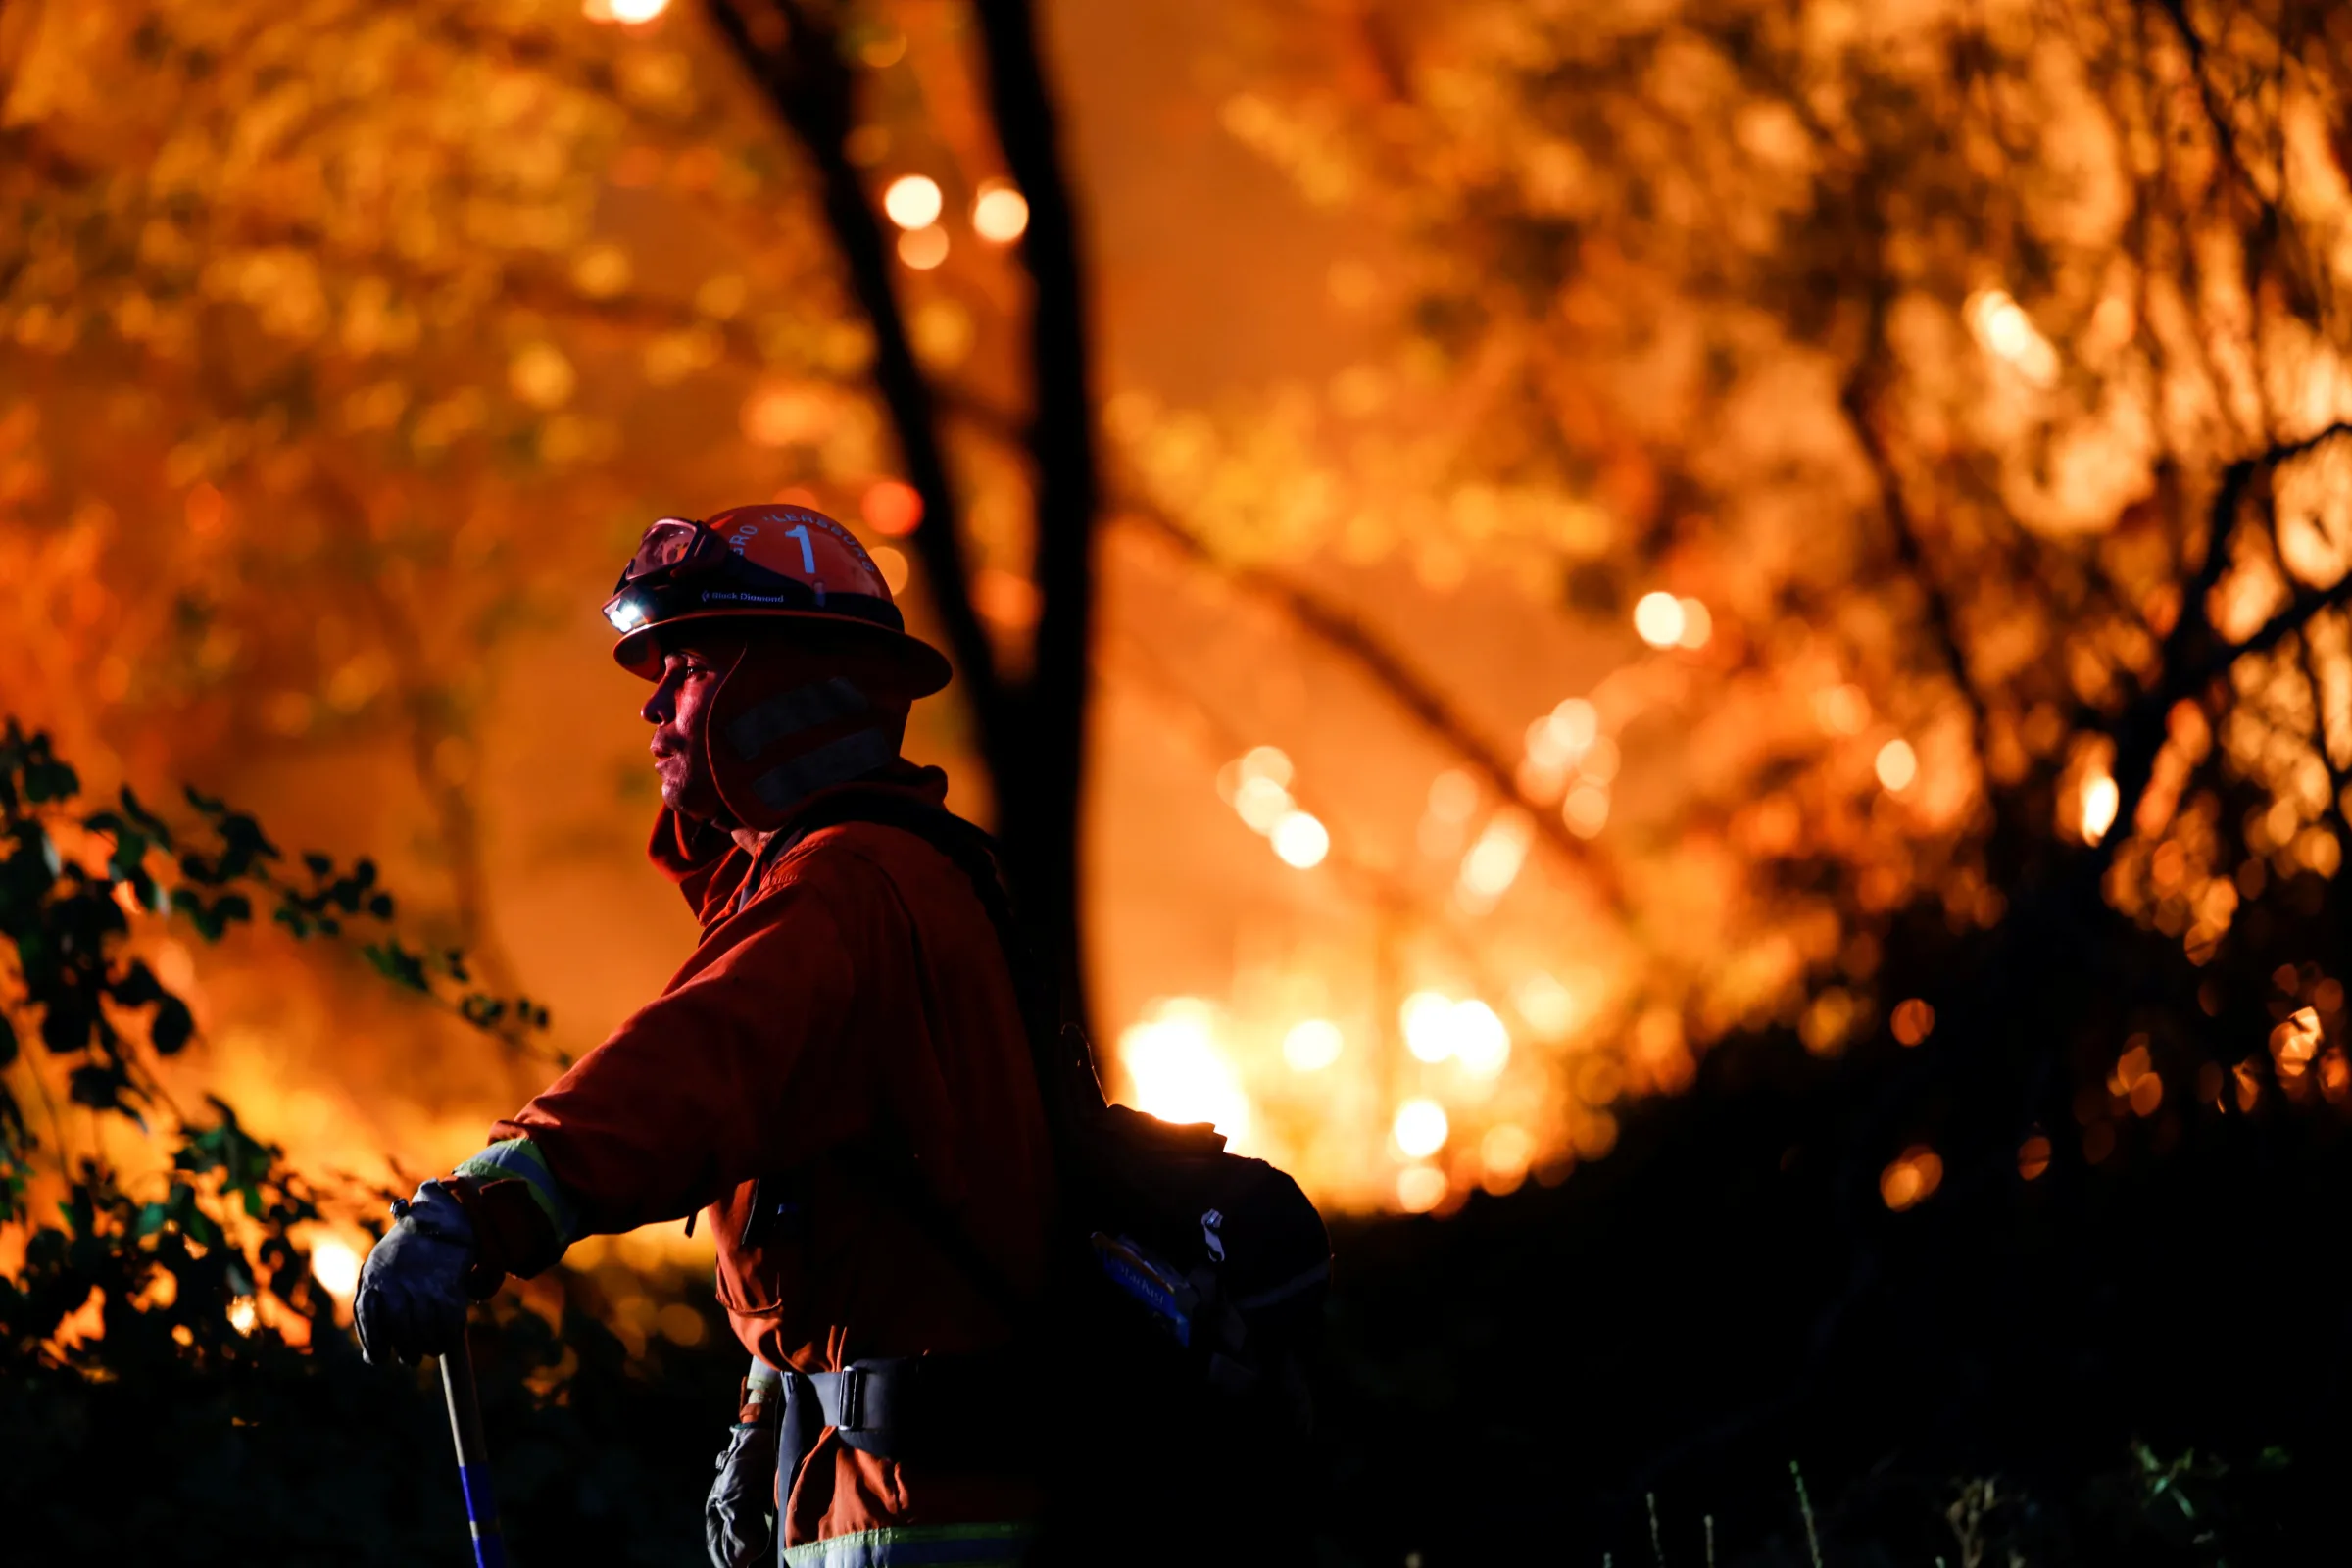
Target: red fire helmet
x: 760, y: 561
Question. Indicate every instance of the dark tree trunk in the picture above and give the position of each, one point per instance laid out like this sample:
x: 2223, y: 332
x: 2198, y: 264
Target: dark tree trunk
x: 1032, y: 729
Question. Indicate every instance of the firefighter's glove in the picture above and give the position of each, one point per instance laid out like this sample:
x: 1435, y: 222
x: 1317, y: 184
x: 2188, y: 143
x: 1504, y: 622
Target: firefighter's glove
x: 413, y: 1297
x: 739, y: 1520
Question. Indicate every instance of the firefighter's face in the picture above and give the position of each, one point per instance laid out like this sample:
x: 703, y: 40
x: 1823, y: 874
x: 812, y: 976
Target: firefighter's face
x: 679, y: 711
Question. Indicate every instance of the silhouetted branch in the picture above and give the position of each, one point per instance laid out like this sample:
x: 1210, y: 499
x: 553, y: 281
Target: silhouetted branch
x: 1344, y: 634
x: 1942, y: 623
x: 2188, y: 661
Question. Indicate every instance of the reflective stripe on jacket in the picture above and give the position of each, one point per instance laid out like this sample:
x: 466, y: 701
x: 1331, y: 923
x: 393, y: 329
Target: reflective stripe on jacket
x: 974, y: 1545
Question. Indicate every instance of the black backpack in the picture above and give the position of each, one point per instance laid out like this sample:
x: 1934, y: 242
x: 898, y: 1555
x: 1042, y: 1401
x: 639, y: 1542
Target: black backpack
x: 1187, y: 1288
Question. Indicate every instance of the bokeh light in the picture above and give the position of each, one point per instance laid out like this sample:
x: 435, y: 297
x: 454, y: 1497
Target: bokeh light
x: 1586, y: 810
x: 1658, y: 620
x: 2100, y: 801
x: 892, y: 508
x: 1896, y: 765
x: 1000, y: 213
x: 1420, y: 1188
x: 1421, y: 1128
x: 914, y: 201
x: 1300, y: 840
x: 1480, y: 1043
x: 923, y: 249
x: 1427, y: 1019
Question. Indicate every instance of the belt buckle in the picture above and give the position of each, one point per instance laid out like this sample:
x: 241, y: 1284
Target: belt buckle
x: 853, y: 1398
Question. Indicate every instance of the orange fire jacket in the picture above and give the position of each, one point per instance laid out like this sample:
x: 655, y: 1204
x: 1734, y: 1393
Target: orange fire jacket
x: 860, y: 995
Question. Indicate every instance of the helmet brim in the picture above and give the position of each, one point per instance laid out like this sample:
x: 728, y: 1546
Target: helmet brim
x: 639, y: 651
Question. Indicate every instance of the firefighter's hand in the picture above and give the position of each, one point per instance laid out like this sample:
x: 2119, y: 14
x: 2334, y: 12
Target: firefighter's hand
x: 739, y: 1520
x: 412, y: 1299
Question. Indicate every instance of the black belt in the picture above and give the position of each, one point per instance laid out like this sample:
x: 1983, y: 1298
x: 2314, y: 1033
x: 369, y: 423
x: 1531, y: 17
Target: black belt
x: 945, y: 1409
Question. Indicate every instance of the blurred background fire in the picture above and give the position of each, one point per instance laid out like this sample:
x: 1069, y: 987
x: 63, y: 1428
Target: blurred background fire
x: 1512, y: 563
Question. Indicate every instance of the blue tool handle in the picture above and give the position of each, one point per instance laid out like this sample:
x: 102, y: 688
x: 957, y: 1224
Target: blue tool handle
x: 474, y: 1457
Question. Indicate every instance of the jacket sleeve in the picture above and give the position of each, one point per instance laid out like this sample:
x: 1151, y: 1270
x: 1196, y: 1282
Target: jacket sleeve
x: 743, y: 1068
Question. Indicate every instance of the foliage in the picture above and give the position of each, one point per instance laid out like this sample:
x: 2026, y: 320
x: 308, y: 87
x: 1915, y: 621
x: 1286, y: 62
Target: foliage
x: 179, y: 1342
x: 165, y: 1271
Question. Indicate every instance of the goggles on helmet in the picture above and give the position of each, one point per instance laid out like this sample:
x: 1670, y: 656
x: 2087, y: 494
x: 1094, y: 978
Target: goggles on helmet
x: 682, y: 567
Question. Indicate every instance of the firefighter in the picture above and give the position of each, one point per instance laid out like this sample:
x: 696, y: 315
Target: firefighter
x: 838, y: 1071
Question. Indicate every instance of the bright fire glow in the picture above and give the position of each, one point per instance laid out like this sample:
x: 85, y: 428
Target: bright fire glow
x: 1312, y: 1044
x: 1659, y: 619
x: 1421, y: 1128
x: 1481, y: 1044
x: 1179, y: 1070
x: 914, y: 201
x: 243, y: 1314
x: 335, y: 1265
x: 1300, y: 840
x: 1438, y: 1028
x: 1427, y: 1017
x: 1000, y: 213
x: 1697, y: 623
x: 2100, y: 798
x: 1897, y: 765
x: 627, y: 11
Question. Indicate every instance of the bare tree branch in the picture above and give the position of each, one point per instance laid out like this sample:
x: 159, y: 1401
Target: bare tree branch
x: 1344, y: 634
x: 2190, y: 659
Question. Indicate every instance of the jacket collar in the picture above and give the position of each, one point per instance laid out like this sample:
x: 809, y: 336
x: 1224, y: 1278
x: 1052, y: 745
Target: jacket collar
x: 709, y: 865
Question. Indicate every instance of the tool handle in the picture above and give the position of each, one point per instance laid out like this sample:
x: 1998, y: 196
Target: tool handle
x: 474, y: 1456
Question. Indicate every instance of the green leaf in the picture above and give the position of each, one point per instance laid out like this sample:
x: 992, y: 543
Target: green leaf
x: 398, y: 964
